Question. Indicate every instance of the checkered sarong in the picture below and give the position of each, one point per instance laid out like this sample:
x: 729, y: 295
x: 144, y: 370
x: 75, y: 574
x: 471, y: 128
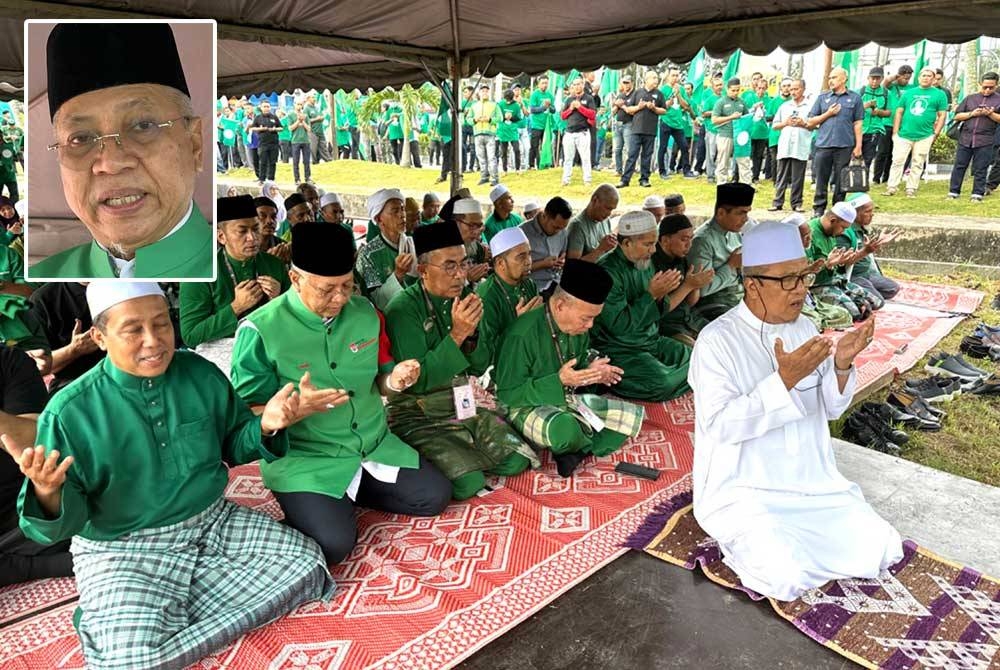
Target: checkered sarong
x: 618, y: 416
x: 167, y: 597
x: 849, y: 296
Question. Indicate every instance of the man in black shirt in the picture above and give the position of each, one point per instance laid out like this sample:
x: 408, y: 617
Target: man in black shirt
x: 580, y: 114
x: 648, y: 105
x: 623, y: 121
x: 22, y: 399
x: 61, y: 309
x: 267, y: 126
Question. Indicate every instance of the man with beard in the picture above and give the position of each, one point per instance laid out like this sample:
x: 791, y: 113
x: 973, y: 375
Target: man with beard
x: 331, y: 343
x: 267, y: 215
x: 384, y: 263
x: 503, y: 215
x: 717, y: 245
x: 679, y: 320
x: 508, y: 292
x: 766, y: 386
x: 435, y: 321
x: 467, y: 214
x: 135, y: 197
x: 547, y: 357
x: 547, y: 236
x: 655, y: 367
x: 210, y: 311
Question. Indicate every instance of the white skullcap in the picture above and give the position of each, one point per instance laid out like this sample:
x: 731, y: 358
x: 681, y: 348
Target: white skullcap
x: 498, y: 191
x: 329, y: 199
x: 772, y: 242
x: 102, y: 295
x: 506, y: 240
x: 859, y: 200
x: 845, y: 211
x: 377, y: 200
x: 467, y: 206
x: 636, y: 223
x: 795, y: 219
x: 531, y: 206
x: 653, y: 202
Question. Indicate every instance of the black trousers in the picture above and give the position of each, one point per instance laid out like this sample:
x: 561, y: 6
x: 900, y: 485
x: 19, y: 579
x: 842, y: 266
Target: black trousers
x: 22, y: 560
x: 514, y: 147
x: 758, y: 153
x: 468, y: 149
x: 268, y: 156
x: 330, y: 521
x: 791, y: 174
x: 415, y: 154
x: 869, y: 145
x: 535, y: 150
x: 285, y: 150
x: 397, y: 150
x: 446, y: 149
x: 828, y: 162
x: 699, y: 151
x: 883, y: 158
x: 993, y: 179
x: 639, y: 144
x: 355, y: 142
x: 680, y: 144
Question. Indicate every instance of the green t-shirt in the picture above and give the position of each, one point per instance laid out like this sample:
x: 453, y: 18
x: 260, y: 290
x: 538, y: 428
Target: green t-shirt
x: 726, y: 106
x: 300, y: 135
x: 285, y: 135
x: 820, y: 248
x: 920, y: 109
x: 708, y: 100
x: 772, y: 110
x: 510, y: 115
x: 874, y: 125
x: 312, y: 111
x: 538, y: 99
x: 674, y: 118
x: 394, y: 126
x: 760, y: 128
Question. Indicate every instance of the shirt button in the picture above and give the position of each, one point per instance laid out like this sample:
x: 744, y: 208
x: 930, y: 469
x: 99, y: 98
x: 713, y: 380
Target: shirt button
x: 354, y: 426
x: 333, y: 366
x: 159, y: 423
x: 163, y: 444
x: 152, y: 402
x: 350, y: 394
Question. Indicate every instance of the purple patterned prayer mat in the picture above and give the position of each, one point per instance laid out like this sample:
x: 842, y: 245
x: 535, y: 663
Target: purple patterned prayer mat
x: 924, y: 612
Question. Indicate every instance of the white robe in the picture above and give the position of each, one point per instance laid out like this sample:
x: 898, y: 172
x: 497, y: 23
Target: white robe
x: 766, y: 485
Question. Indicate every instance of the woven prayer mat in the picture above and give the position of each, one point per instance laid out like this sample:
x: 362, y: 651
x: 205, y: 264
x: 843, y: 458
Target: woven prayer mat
x: 923, y: 612
x: 419, y: 593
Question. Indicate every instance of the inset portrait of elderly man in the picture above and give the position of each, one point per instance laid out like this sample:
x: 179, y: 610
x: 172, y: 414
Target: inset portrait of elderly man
x: 129, y: 148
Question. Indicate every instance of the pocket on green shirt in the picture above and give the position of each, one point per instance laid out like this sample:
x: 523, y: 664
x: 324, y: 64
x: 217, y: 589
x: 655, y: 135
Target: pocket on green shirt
x: 192, y: 438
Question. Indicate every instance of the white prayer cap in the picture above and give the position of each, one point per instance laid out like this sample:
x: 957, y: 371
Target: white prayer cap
x: 859, y: 200
x: 636, y: 223
x: 531, y: 206
x: 506, y: 240
x: 467, y: 206
x: 772, y: 242
x: 498, y: 192
x: 102, y: 295
x: 377, y: 200
x: 845, y: 211
x: 653, y: 202
x: 329, y: 199
x: 795, y: 219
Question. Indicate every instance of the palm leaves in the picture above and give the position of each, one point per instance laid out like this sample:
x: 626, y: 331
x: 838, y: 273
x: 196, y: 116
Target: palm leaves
x: 411, y: 100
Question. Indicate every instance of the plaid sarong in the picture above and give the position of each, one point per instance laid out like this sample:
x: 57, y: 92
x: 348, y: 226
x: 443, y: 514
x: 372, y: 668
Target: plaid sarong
x: 618, y: 416
x: 167, y: 597
x: 849, y: 296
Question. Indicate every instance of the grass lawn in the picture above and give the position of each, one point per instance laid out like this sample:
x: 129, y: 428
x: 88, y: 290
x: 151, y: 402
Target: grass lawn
x: 968, y: 443
x: 362, y: 176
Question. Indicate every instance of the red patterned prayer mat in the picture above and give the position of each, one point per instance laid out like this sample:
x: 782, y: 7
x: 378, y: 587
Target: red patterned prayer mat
x: 941, y: 298
x: 923, y: 612
x: 419, y: 593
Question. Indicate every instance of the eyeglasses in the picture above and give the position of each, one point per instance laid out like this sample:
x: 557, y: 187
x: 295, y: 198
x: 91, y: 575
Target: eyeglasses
x: 472, y: 224
x: 988, y: 88
x: 791, y: 282
x: 452, y: 268
x: 77, y: 153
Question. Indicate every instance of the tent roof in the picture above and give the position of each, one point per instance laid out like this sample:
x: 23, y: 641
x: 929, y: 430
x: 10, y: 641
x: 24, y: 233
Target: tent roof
x: 287, y: 44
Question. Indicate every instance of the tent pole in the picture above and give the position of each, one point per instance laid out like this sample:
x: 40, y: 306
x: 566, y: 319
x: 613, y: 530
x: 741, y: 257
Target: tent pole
x: 456, y: 110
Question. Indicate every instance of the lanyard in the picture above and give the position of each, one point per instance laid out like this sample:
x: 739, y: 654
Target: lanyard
x: 433, y: 315
x: 229, y: 267
x: 511, y: 304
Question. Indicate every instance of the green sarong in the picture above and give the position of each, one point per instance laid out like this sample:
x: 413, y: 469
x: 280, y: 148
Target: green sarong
x: 655, y: 374
x: 564, y: 430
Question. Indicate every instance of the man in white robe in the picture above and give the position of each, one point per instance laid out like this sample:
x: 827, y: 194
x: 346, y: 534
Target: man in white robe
x: 766, y: 484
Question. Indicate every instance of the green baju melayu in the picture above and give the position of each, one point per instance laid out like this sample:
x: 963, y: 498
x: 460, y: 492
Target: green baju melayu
x: 711, y: 247
x: 628, y: 331
x: 544, y: 411
x: 680, y: 320
x: 419, y: 325
x: 167, y: 569
x: 494, y: 225
x: 499, y: 311
x: 205, y: 311
x: 283, y: 340
x: 185, y: 254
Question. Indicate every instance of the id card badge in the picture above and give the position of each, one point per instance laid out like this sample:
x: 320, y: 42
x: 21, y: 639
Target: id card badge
x: 465, y: 401
x: 588, y: 415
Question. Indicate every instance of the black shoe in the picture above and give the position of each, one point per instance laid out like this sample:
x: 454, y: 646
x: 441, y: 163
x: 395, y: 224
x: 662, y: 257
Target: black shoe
x: 623, y: 184
x: 879, y: 417
x: 933, y: 389
x: 988, y: 386
x: 945, y: 365
x: 645, y: 184
x: 915, y: 405
x: 567, y: 463
x: 774, y: 209
x: 966, y: 364
x: 483, y: 181
x: 859, y: 432
x: 974, y: 347
x: 441, y: 179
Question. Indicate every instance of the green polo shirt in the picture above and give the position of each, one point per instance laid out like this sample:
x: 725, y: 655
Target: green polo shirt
x: 205, y: 311
x: 155, y: 457
x: 283, y: 340
x: 186, y: 254
x: 726, y: 106
x: 874, y: 124
x: 674, y: 118
x: 708, y: 100
x: 540, y: 119
x: 499, y: 311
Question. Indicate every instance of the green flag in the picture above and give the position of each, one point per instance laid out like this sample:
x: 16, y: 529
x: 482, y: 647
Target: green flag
x: 546, y: 154
x: 609, y: 83
x: 920, y: 53
x: 696, y: 74
x: 229, y: 128
x: 849, y: 61
x: 741, y: 136
x: 732, y: 67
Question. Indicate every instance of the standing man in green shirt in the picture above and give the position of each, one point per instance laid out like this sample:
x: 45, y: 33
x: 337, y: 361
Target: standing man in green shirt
x: 542, y: 106
x: 717, y: 245
x: 503, y: 215
x: 875, y: 100
x: 895, y: 85
x: 547, y: 357
x: 508, y: 131
x: 134, y: 470
x: 672, y: 124
x: 784, y: 95
x: 137, y: 202
x: 316, y: 118
x: 284, y: 135
x: 331, y: 343
x: 589, y: 232
x: 919, y: 119
x: 209, y: 311
x: 655, y: 367
x: 385, y: 262
x: 486, y: 117
x: 758, y: 102
x: 707, y: 107
x: 507, y: 293
x: 435, y: 321
x: 299, y: 128
x: 727, y: 109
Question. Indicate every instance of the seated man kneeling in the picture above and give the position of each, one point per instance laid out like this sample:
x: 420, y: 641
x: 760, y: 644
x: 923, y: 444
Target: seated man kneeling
x: 766, y: 484
x: 545, y: 356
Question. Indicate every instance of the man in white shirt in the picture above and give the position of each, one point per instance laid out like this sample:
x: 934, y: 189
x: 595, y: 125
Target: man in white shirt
x: 766, y: 484
x: 793, y: 147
